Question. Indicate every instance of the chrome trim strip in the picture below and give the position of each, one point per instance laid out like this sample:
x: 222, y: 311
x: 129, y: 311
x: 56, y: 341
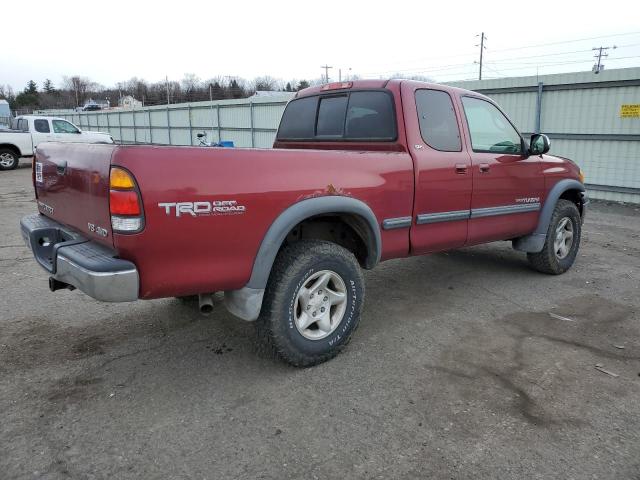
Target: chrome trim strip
x: 393, y: 223
x: 425, y: 218
x: 505, y: 210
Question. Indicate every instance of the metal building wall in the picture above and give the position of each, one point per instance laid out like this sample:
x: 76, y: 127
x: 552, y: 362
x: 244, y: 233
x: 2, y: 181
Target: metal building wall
x: 581, y: 114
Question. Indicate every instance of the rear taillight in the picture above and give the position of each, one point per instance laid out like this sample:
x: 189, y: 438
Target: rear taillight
x: 125, y: 204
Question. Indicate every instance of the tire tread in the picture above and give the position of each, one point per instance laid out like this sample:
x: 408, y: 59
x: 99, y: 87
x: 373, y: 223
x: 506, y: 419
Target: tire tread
x: 276, y: 300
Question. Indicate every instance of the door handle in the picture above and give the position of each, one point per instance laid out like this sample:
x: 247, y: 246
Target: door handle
x: 461, y: 168
x: 484, y: 168
x: 61, y: 167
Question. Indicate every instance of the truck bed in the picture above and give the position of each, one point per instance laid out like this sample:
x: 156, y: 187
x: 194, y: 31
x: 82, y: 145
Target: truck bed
x: 199, y: 245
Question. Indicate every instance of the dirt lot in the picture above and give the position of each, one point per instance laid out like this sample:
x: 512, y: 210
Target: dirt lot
x: 458, y: 370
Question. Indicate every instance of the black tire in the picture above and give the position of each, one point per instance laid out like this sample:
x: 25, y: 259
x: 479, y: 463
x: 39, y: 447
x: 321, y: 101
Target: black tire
x: 15, y: 159
x: 547, y: 261
x: 295, y: 265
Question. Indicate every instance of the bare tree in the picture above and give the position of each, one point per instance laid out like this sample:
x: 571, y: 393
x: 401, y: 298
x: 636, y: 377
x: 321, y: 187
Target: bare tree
x: 79, y: 86
x: 191, y: 85
x: 265, y: 83
x: 6, y: 93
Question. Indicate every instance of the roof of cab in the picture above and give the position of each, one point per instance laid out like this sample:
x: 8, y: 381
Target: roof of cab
x: 373, y: 84
x: 40, y: 117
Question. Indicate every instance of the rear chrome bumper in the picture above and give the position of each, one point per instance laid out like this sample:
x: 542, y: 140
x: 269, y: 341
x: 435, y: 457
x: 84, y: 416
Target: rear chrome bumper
x: 72, y: 259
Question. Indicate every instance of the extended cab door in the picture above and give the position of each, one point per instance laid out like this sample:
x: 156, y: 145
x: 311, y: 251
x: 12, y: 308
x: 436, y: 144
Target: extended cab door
x: 442, y: 169
x: 40, y: 131
x: 507, y: 185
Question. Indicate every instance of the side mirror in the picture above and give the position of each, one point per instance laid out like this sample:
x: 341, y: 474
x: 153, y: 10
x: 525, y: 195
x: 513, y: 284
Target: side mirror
x: 539, y: 145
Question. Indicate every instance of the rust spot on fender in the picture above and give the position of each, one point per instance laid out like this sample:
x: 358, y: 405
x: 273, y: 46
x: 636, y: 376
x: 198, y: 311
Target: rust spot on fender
x: 329, y: 190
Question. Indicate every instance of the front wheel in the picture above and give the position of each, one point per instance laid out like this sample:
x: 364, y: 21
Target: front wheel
x: 312, y: 302
x: 8, y: 159
x: 562, y: 242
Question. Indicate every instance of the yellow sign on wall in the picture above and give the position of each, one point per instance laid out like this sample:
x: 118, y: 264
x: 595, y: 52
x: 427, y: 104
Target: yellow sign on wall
x: 630, y: 110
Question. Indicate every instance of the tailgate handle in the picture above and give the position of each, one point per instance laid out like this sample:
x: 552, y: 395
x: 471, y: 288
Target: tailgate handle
x: 61, y: 167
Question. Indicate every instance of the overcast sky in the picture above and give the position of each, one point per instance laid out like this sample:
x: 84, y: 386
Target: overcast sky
x: 113, y: 40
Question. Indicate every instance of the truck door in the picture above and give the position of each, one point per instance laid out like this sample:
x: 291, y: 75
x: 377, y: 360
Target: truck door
x: 65, y: 132
x: 507, y: 185
x: 442, y: 169
x: 41, y: 131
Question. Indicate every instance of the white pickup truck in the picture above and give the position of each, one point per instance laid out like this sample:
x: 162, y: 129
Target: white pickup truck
x: 29, y: 130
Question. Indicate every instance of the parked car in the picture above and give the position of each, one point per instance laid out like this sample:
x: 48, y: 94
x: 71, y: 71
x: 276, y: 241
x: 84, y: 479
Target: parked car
x: 361, y: 172
x: 92, y: 107
x: 29, y: 131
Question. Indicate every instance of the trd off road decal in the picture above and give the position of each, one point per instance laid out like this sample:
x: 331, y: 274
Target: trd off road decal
x: 195, y: 209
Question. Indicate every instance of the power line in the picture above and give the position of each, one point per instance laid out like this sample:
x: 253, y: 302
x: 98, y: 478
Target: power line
x: 553, y: 64
x: 523, y: 47
x: 496, y: 62
x: 568, y: 41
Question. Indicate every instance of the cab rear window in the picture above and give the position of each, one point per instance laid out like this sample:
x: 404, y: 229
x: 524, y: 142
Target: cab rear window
x: 348, y: 116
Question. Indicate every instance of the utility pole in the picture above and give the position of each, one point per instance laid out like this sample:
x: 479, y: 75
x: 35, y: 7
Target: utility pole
x: 166, y: 79
x: 326, y: 72
x: 601, y: 52
x: 483, y: 37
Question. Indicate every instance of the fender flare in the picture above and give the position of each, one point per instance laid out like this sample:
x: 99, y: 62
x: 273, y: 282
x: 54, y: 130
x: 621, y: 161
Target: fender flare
x: 247, y: 301
x: 303, y: 210
x: 534, y: 242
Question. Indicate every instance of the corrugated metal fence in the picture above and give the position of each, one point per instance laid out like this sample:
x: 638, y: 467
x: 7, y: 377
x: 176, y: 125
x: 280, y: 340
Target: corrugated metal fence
x: 581, y: 113
x: 250, y: 122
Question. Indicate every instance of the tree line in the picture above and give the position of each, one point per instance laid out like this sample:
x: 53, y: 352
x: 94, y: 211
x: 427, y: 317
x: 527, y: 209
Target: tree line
x: 75, y: 91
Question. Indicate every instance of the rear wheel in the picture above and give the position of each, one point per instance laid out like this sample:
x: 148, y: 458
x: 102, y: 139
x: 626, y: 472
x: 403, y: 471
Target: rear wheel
x: 562, y: 242
x: 8, y: 159
x: 312, y: 302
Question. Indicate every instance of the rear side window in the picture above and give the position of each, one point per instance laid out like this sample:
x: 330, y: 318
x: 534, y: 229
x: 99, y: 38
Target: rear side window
x: 437, y: 119
x: 298, y: 120
x: 41, y: 126
x: 359, y: 115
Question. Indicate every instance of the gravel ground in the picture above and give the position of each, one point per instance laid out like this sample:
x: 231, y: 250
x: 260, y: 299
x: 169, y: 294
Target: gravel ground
x: 466, y: 364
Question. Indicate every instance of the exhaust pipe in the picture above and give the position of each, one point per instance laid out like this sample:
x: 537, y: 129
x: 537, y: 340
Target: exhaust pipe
x: 205, y: 303
x: 58, y: 285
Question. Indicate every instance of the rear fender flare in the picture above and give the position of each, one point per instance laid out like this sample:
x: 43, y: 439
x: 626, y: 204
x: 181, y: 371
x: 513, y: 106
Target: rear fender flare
x: 246, y: 302
x: 303, y: 210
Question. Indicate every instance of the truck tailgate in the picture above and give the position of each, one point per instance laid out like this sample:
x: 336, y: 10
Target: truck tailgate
x: 72, y: 187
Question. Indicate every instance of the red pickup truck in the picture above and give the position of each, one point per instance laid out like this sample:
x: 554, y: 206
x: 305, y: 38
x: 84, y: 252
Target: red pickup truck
x: 361, y: 172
